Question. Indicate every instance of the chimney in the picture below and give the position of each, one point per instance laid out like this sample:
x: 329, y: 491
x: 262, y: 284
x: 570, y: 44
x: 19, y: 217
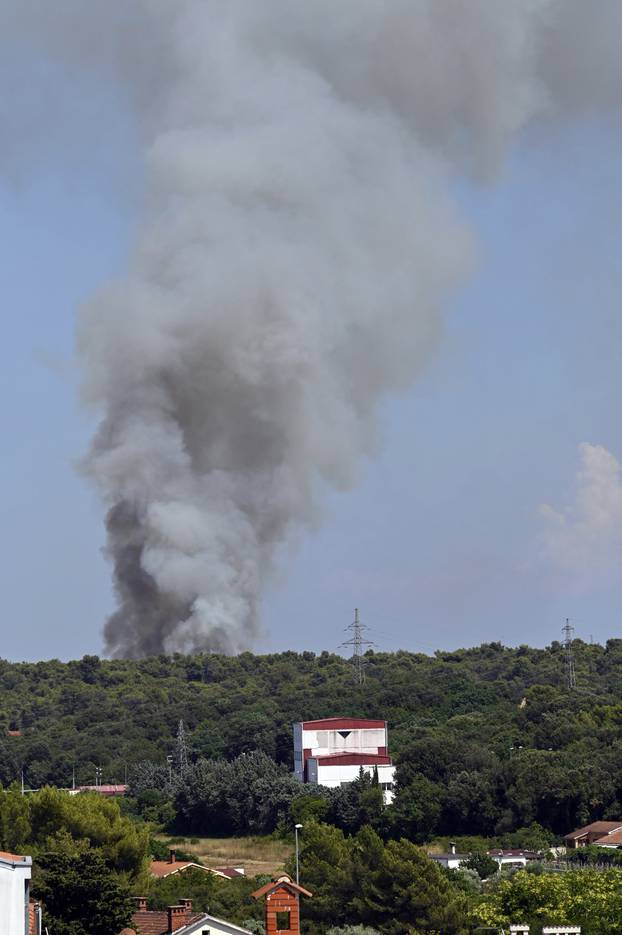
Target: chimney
x: 178, y: 916
x: 172, y: 856
x: 141, y: 903
x: 452, y: 845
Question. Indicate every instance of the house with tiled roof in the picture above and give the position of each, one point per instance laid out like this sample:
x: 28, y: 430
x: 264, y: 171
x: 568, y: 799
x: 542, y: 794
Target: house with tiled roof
x: 594, y: 833
x: 165, y: 868
x: 178, y: 920
x: 611, y: 839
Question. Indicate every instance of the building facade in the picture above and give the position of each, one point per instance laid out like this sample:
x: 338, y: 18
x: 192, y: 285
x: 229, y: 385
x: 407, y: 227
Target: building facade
x: 15, y: 912
x: 332, y: 751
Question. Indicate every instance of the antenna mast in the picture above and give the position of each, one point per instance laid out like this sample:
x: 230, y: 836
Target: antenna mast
x: 357, y: 642
x: 571, y: 676
x: 182, y: 749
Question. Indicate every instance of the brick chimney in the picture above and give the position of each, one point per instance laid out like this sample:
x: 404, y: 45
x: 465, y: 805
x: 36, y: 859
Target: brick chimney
x: 282, y: 907
x: 172, y: 856
x: 178, y: 916
x: 141, y: 903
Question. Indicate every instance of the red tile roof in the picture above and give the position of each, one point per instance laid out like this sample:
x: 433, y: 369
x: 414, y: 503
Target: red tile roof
x: 105, y: 789
x: 602, y: 827
x: 282, y: 882
x: 613, y: 839
x: 152, y: 922
x: 164, y: 868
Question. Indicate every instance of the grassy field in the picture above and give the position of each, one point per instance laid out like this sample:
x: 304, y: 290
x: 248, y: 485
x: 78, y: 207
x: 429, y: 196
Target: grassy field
x: 256, y: 855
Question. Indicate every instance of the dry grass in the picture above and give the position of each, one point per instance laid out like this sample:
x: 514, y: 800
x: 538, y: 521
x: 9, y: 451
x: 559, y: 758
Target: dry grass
x: 256, y: 855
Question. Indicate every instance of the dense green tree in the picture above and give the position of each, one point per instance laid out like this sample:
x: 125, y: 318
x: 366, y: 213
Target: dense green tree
x: 483, y: 865
x: 80, y: 896
x: 588, y: 898
x: 395, y: 888
x: 52, y: 819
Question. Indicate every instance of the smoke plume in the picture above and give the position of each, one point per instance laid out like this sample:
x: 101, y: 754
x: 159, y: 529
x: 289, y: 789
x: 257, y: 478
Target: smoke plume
x: 583, y: 540
x: 297, y: 246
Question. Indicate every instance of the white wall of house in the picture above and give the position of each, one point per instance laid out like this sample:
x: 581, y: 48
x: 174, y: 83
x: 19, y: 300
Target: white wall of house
x: 211, y: 925
x: 337, y: 774
x: 451, y: 861
x: 14, y: 889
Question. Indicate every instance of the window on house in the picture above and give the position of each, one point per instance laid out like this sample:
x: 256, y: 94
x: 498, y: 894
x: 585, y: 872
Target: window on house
x: 282, y: 921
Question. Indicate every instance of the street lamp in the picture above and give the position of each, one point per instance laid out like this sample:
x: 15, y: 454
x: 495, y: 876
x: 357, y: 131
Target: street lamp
x: 98, y: 776
x: 297, y: 828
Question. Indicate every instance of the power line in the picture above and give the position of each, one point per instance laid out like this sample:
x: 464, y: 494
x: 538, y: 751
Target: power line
x: 357, y: 642
x: 570, y: 673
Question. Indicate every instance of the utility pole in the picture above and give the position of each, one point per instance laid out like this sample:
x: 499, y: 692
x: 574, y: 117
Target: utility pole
x: 182, y: 749
x: 357, y: 642
x: 571, y: 676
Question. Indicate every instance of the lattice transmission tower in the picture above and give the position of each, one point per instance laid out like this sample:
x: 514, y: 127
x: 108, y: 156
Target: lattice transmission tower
x: 181, y: 749
x: 569, y: 667
x: 358, y: 642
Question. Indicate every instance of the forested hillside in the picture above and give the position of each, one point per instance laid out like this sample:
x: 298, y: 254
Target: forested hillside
x: 487, y: 740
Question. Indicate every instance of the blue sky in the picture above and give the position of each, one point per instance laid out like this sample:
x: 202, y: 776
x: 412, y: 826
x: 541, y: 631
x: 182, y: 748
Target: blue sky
x: 441, y: 542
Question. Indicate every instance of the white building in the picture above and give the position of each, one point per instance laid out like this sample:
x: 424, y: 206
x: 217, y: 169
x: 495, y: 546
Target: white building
x: 332, y: 751
x: 15, y: 873
x: 452, y: 860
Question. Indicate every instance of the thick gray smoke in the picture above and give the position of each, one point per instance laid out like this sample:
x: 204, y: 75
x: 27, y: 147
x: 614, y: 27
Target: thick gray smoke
x: 297, y: 247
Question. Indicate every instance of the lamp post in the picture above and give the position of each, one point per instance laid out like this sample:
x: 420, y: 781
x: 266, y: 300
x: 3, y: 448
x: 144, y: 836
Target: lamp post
x: 297, y: 828
x: 98, y: 776
x: 169, y: 760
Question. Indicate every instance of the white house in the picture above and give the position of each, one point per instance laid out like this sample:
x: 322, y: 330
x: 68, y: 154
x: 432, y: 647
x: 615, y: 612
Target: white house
x: 332, y: 751
x: 15, y: 912
x: 451, y: 861
x: 514, y: 858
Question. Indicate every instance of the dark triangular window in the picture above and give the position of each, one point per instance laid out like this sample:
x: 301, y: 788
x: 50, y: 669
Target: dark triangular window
x: 344, y: 733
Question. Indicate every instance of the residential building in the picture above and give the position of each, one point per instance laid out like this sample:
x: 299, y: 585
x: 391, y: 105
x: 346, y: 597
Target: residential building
x: 107, y: 789
x: 165, y: 868
x: 592, y: 834
x: 451, y: 860
x: 178, y: 920
x: 282, y: 906
x: 18, y: 915
x: 332, y: 751
x: 513, y: 858
x: 612, y: 839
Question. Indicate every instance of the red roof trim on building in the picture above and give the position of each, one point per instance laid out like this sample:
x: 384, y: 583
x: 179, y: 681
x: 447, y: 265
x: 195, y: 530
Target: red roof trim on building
x: 353, y: 759
x: 14, y: 858
x: 344, y: 723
